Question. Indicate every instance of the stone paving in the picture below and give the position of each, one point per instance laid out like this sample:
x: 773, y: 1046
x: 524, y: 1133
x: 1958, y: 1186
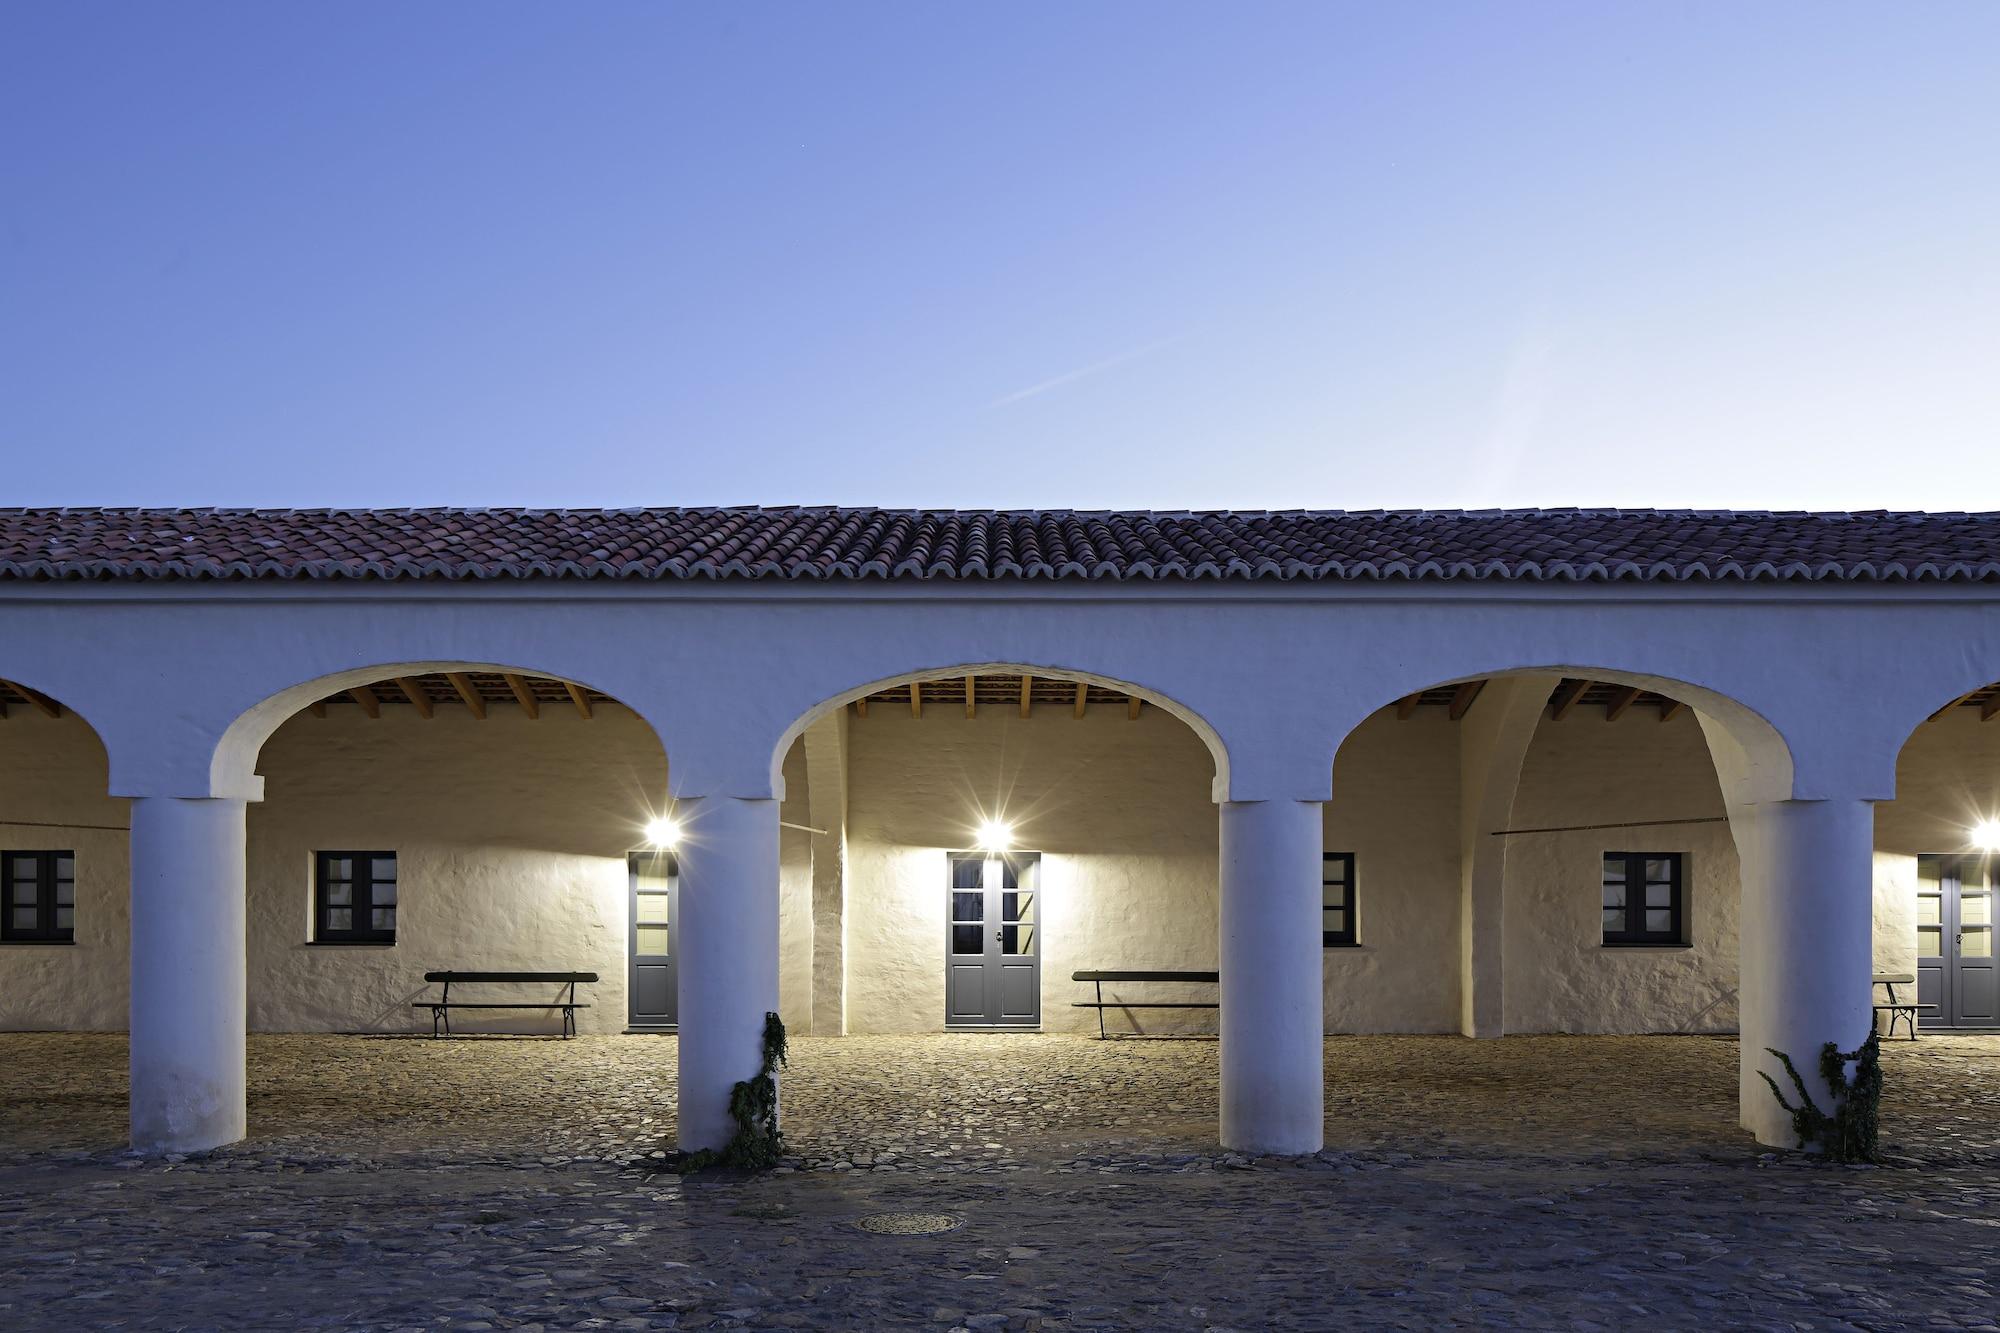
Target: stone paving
x: 1531, y: 1182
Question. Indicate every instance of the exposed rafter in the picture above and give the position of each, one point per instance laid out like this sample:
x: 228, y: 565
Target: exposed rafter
x: 522, y: 694
x: 1461, y: 701
x: 1670, y: 708
x: 578, y: 696
x: 1133, y: 703
x: 414, y: 691
x: 972, y: 696
x: 1082, y: 696
x: 1406, y: 707
x: 468, y: 692
x: 1620, y: 701
x: 317, y: 708
x: 1027, y: 694
x: 861, y: 708
x: 916, y: 698
x: 1566, y: 697
x: 1991, y: 708
x: 365, y: 696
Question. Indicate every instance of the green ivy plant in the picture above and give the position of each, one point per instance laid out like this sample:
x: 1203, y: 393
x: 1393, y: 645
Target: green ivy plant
x: 753, y: 1105
x: 1851, y: 1132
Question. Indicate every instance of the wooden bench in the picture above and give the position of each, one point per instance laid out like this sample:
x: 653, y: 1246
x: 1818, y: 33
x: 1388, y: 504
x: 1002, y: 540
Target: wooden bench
x: 1100, y: 1004
x: 442, y: 1006
x: 1898, y: 1010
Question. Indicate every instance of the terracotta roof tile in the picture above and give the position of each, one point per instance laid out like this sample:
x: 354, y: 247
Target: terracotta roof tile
x: 838, y: 544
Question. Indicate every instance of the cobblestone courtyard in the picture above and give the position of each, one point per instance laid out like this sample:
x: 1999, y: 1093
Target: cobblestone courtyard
x: 1543, y: 1182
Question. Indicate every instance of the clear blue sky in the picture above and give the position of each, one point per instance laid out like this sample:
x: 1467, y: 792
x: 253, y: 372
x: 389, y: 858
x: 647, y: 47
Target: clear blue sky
x: 1005, y: 254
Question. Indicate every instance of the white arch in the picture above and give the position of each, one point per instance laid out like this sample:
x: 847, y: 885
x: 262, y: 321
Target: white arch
x: 1217, y: 748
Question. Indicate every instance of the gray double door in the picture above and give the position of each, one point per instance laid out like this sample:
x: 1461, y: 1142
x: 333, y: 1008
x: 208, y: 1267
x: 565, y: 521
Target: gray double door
x: 993, y: 965
x: 653, y: 980
x: 1957, y: 971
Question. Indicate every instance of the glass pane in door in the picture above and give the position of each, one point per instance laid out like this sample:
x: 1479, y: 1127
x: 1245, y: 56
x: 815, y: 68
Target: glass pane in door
x: 1018, y: 902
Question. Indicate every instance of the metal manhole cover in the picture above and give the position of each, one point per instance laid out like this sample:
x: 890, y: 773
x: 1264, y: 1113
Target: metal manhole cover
x: 909, y: 1224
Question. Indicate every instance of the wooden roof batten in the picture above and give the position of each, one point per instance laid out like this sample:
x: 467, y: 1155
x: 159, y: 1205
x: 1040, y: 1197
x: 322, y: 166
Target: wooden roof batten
x: 1567, y: 695
x: 476, y: 691
x: 1024, y: 692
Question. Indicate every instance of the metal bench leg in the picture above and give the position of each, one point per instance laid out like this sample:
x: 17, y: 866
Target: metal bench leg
x: 1100, y: 1011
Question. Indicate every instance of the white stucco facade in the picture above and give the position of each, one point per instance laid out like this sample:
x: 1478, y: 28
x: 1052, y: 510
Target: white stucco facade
x: 1802, y: 694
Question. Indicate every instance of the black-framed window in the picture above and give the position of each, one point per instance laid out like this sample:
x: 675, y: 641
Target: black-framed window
x: 354, y: 898
x: 40, y: 897
x: 1645, y: 897
x: 1336, y: 899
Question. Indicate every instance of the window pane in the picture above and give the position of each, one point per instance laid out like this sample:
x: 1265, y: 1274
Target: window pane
x: 968, y: 907
x: 1930, y: 909
x: 340, y: 919
x: 1976, y: 943
x: 653, y: 940
x: 1010, y: 875
x: 383, y: 895
x: 1017, y: 940
x: 654, y: 908
x: 339, y: 895
x: 385, y: 869
x: 1930, y: 941
x: 65, y: 895
x: 65, y: 865
x: 1336, y: 919
x: 383, y: 918
x: 1659, y: 895
x: 24, y: 918
x: 1659, y: 868
x: 1614, y: 870
x: 1017, y: 907
x: 1614, y: 920
x: 1975, y: 910
x: 65, y: 918
x: 1659, y: 922
x: 340, y: 867
x: 1928, y: 869
x: 25, y: 894
x: 968, y: 939
x: 1614, y: 896
x: 967, y: 873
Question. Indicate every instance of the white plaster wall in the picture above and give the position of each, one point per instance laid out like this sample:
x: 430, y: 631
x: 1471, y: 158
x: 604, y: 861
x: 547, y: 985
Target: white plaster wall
x: 53, y: 771
x: 1395, y: 806
x: 1559, y: 976
x: 511, y: 835
x: 1120, y: 810
x: 1947, y: 781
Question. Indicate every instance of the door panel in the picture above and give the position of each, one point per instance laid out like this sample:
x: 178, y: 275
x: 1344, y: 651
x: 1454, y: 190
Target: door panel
x: 1957, y: 967
x: 992, y: 942
x: 1973, y: 977
x: 652, y: 980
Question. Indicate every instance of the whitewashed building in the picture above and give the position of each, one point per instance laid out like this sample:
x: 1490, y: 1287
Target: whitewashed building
x: 1484, y: 773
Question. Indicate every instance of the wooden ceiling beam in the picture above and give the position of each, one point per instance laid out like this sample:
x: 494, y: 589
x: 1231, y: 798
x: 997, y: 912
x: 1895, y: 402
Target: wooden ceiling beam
x: 49, y: 707
x: 1082, y: 697
x: 1027, y: 693
x: 317, y: 708
x: 1991, y: 708
x: 580, y: 697
x: 861, y: 708
x: 1567, y: 695
x: 1132, y: 705
x: 1953, y: 704
x: 522, y: 694
x: 916, y: 698
x: 972, y: 696
x: 365, y: 696
x: 469, y: 692
x: 1669, y: 708
x: 1406, y: 706
x: 1462, y: 698
x: 414, y: 691
x: 1620, y: 702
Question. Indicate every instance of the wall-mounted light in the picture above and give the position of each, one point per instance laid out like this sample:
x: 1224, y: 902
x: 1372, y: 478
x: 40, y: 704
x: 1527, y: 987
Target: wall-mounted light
x: 996, y: 836
x: 664, y: 833
x: 1986, y: 835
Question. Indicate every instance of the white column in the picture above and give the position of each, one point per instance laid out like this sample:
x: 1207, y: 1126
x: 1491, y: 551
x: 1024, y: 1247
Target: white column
x: 728, y: 955
x: 1273, y: 1004
x: 1806, y: 947
x: 188, y: 973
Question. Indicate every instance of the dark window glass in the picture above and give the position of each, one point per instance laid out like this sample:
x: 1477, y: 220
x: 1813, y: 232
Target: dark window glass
x: 1644, y: 898
x: 39, y: 890
x: 968, y: 872
x: 968, y: 939
x: 354, y: 898
x: 1336, y: 900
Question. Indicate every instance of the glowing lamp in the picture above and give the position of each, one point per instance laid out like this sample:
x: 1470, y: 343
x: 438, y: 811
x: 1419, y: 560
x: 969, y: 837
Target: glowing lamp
x: 664, y: 832
x: 1986, y: 835
x: 995, y: 836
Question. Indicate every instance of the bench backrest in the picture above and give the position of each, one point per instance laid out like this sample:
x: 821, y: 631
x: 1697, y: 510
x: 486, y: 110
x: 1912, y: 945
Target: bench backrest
x: 1145, y: 976
x: 526, y: 977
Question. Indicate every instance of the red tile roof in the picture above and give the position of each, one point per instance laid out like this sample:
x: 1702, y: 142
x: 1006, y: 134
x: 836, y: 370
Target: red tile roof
x: 828, y: 543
